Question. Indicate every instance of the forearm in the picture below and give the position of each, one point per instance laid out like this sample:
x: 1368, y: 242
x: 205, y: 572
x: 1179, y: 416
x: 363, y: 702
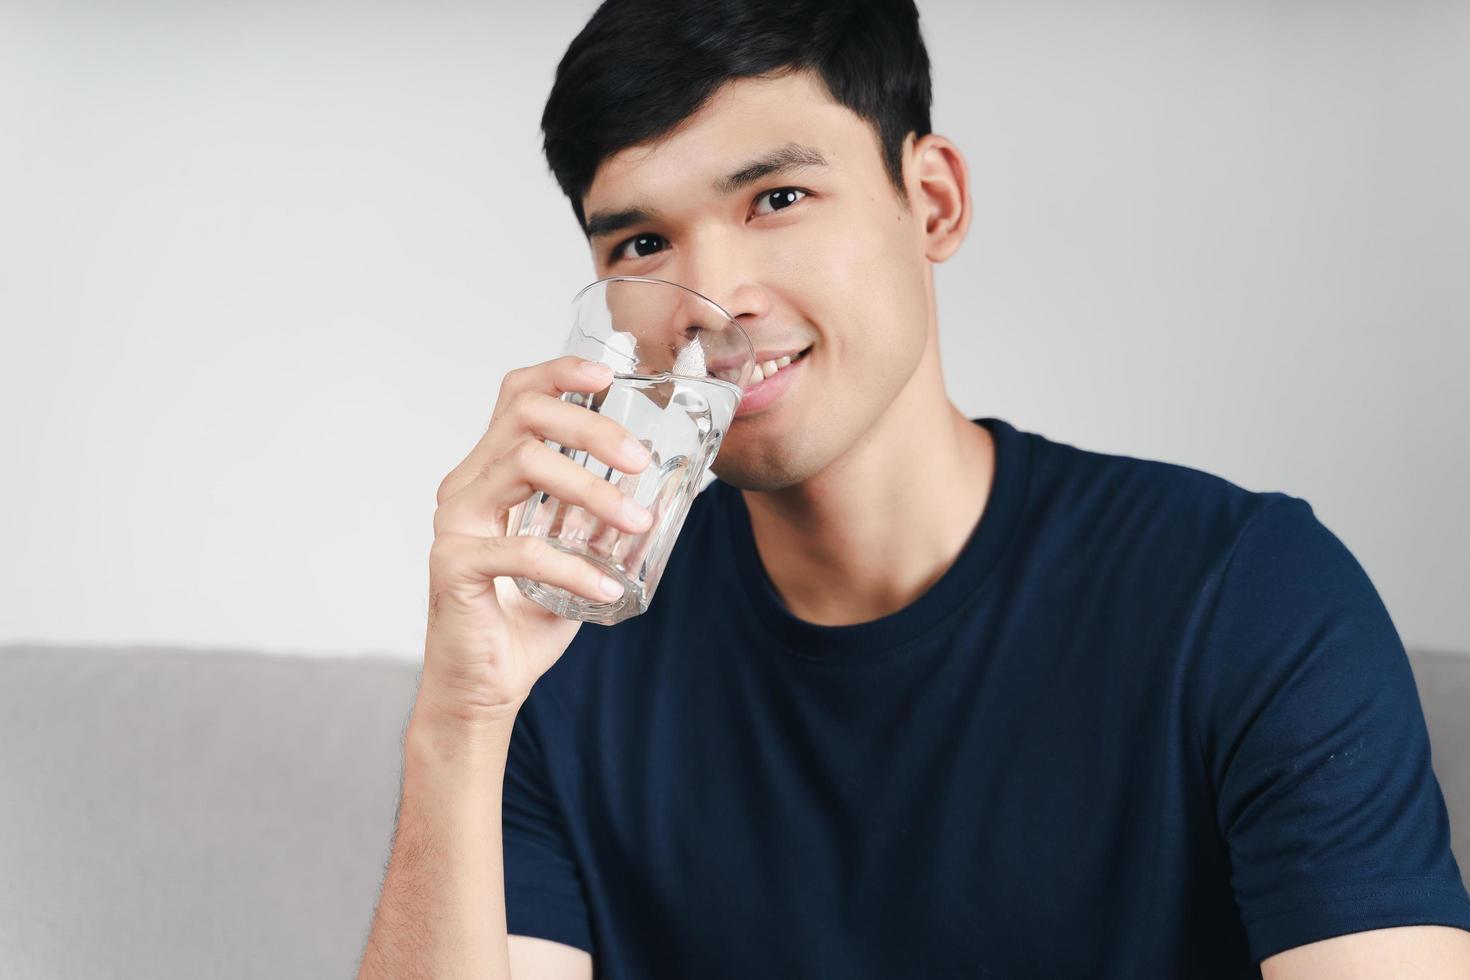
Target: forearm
x: 441, y: 913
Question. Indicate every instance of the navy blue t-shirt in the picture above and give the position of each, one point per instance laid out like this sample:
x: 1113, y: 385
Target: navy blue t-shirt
x: 1148, y: 724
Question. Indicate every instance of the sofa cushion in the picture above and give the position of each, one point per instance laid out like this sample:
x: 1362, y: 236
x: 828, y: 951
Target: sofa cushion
x: 175, y: 813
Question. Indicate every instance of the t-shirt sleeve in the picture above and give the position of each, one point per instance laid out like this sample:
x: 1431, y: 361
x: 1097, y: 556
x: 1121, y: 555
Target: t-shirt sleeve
x: 544, y: 895
x: 1319, y: 757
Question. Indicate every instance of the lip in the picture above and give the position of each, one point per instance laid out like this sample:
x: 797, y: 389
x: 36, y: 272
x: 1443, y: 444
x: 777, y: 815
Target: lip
x: 759, y: 396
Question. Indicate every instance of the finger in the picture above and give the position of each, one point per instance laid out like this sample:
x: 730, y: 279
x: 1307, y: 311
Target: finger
x: 608, y: 540
x: 481, y: 505
x: 463, y: 565
x: 550, y: 378
x: 643, y: 544
x: 555, y: 377
x: 575, y: 427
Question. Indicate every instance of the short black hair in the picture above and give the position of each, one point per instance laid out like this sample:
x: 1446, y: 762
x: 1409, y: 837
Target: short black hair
x: 639, y: 68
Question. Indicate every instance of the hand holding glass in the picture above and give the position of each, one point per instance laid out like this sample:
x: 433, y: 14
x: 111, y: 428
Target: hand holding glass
x: 680, y: 366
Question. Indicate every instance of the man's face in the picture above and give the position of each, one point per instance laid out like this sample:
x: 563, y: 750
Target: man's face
x: 819, y: 257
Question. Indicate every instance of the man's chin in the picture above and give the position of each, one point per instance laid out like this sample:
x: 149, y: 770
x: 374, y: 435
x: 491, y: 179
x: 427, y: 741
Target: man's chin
x: 763, y: 475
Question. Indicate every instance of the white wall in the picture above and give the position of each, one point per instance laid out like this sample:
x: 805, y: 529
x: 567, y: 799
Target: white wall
x: 263, y: 265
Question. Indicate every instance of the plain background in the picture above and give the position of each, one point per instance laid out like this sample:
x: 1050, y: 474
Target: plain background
x: 263, y: 265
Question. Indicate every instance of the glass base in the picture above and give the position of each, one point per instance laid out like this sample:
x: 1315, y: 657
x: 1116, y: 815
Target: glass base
x: 569, y: 605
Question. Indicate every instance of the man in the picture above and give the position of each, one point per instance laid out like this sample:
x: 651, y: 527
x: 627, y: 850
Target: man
x: 920, y: 695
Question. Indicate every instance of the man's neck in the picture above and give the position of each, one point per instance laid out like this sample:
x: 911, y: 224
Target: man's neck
x: 871, y: 533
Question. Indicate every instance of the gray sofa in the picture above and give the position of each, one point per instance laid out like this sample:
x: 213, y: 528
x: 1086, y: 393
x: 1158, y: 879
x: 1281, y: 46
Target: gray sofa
x: 177, y: 814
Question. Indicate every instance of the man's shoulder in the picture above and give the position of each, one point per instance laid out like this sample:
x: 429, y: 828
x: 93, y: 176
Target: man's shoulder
x: 1138, y: 492
x: 1144, y: 522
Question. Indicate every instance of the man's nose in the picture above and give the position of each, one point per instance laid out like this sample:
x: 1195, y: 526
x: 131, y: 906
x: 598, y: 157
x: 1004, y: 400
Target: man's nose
x: 719, y: 269
x: 739, y: 299
x: 740, y: 305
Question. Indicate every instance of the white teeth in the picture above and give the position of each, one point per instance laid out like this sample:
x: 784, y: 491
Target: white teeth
x: 765, y: 369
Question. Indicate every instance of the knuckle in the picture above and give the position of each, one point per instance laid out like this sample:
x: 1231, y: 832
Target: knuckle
x: 522, y: 403
x: 441, y: 553
x: 527, y: 452
x: 442, y: 520
x: 517, y: 450
x: 443, y: 491
x: 512, y: 381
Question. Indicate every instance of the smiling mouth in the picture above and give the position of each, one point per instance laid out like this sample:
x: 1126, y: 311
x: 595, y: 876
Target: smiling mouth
x: 764, y: 370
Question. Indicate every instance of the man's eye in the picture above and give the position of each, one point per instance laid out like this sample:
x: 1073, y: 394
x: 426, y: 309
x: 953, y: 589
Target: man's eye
x: 783, y: 195
x: 781, y: 198
x: 636, y: 241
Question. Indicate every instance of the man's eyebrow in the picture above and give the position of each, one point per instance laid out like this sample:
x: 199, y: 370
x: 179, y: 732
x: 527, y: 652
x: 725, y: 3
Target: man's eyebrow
x: 603, y: 223
x: 783, y: 159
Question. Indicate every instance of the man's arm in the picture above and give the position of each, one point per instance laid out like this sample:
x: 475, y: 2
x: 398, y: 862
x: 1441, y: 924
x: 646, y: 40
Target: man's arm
x: 543, y: 959
x: 1319, y: 755
x: 441, y: 913
x: 1421, y: 952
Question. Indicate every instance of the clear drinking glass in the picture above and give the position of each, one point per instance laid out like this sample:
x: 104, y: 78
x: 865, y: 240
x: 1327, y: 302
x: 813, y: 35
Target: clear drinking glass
x: 680, y: 366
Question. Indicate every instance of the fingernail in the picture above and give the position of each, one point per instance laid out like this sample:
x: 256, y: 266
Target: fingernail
x: 596, y: 370
x: 635, y: 451
x: 610, y: 588
x: 635, y: 512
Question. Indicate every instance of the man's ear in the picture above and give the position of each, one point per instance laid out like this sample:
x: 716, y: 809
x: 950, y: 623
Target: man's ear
x: 942, y: 195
